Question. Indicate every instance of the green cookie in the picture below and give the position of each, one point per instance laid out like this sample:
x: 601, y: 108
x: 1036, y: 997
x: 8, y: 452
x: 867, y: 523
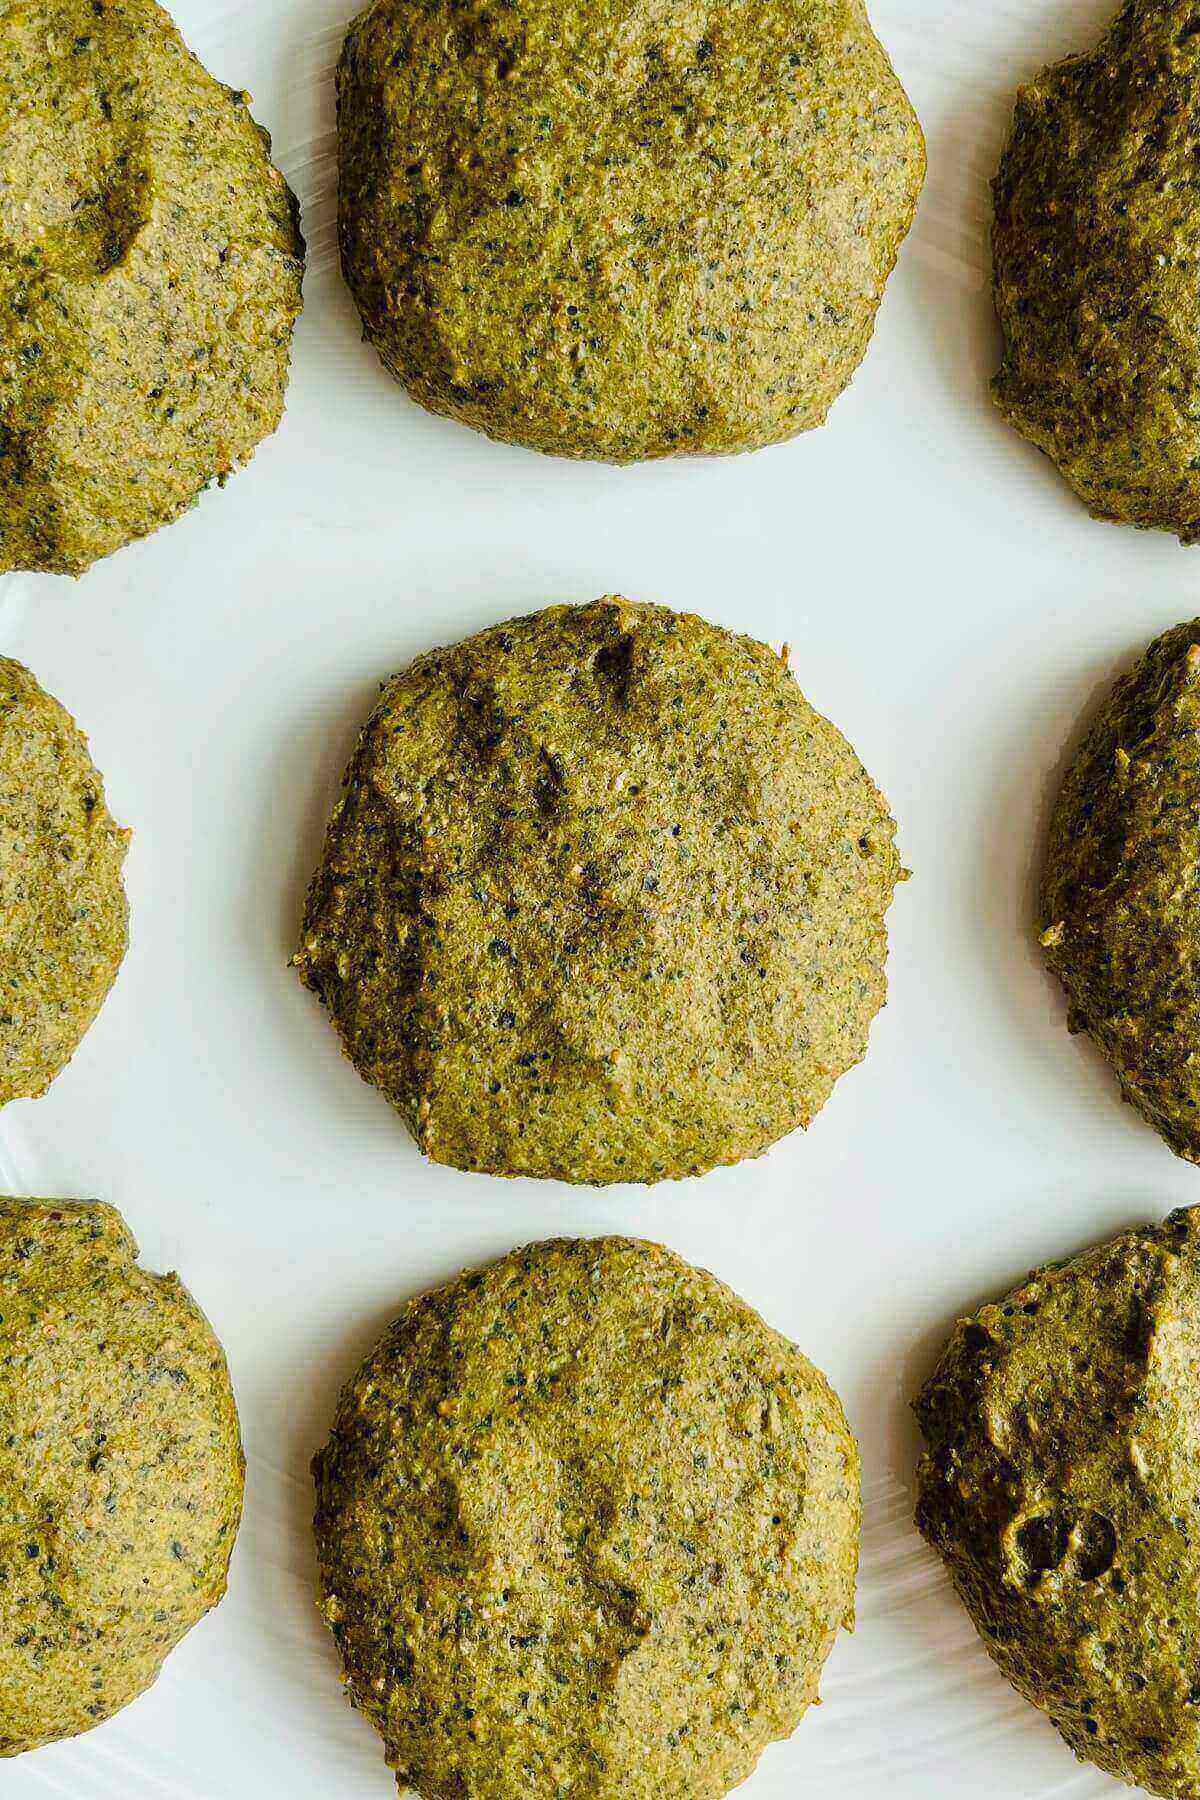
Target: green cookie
x: 120, y: 1470
x: 603, y: 898
x: 1121, y: 889
x: 64, y: 923
x: 150, y: 265
x: 586, y: 1525
x: 1097, y: 216
x: 1062, y: 1485
x: 622, y: 231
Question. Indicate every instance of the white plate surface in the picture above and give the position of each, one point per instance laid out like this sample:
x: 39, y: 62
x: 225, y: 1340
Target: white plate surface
x: 948, y: 604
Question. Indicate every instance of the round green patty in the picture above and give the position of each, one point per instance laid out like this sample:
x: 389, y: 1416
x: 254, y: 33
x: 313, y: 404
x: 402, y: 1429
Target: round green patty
x: 622, y: 231
x: 1121, y: 889
x: 1062, y: 1485
x: 120, y: 1470
x: 150, y: 265
x: 603, y: 898
x: 63, y: 916
x: 585, y: 1525
x: 1097, y: 214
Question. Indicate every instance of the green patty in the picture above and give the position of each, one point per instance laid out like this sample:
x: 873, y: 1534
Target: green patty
x: 585, y: 1525
x: 120, y: 1470
x: 1121, y: 889
x: 63, y: 917
x: 622, y: 231
x: 150, y: 265
x: 1062, y: 1486
x: 1097, y: 216
x: 603, y: 898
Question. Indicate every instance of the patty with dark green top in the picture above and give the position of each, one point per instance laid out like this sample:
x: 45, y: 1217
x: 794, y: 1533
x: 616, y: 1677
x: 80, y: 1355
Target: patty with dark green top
x: 120, y: 1469
x: 1061, y: 1484
x: 603, y: 898
x: 1097, y: 215
x: 64, y: 923
x: 617, y: 230
x: 1121, y: 888
x: 585, y: 1525
x: 150, y: 267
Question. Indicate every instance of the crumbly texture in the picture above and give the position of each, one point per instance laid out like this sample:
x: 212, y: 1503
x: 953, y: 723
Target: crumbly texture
x: 1097, y: 212
x: 150, y: 268
x: 623, y: 228
x: 63, y: 915
x: 1062, y: 1484
x: 586, y: 1525
x: 603, y: 898
x: 120, y: 1470
x: 1121, y: 891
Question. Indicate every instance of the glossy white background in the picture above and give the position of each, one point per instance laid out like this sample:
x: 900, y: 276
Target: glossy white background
x: 954, y: 610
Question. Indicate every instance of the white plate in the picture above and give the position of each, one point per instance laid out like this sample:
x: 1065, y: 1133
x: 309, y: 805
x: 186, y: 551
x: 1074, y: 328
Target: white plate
x: 948, y: 603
